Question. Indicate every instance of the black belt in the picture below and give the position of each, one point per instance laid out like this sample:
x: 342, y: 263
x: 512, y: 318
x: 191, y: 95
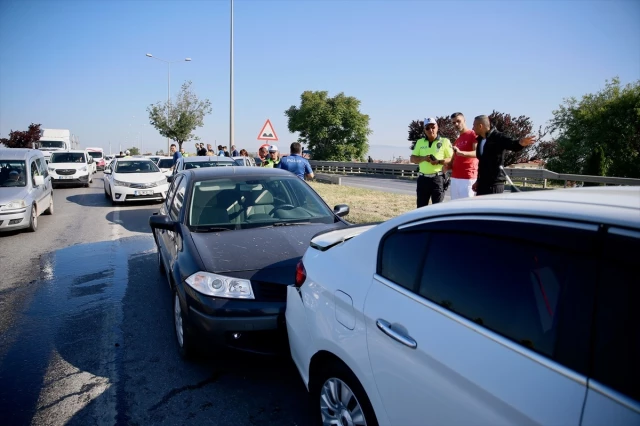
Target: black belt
x: 431, y: 175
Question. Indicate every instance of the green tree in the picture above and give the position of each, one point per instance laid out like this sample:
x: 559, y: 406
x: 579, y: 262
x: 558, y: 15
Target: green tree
x: 334, y: 129
x: 600, y: 133
x: 134, y: 151
x: 184, y: 116
x: 23, y: 139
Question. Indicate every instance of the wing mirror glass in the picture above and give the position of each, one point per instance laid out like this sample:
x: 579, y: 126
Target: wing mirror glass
x: 341, y: 210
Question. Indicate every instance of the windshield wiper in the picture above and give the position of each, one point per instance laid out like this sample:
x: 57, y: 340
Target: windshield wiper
x: 291, y: 223
x: 210, y: 229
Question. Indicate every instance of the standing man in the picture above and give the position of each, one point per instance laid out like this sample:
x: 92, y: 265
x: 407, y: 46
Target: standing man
x: 431, y: 154
x: 263, y: 152
x: 272, y: 160
x: 295, y: 163
x: 183, y: 153
x: 490, y: 152
x: 234, y: 151
x: 464, y: 163
x: 176, y: 155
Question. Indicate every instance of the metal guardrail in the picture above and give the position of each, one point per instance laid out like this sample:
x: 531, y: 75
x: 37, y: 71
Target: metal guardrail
x: 525, y: 176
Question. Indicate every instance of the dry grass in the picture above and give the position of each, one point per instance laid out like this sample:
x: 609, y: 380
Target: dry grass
x: 365, y: 205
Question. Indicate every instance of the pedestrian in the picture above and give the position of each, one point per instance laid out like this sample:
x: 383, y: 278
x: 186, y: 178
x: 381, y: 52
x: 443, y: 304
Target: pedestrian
x: 272, y: 160
x: 431, y: 153
x: 234, y: 152
x: 295, y: 163
x: 127, y: 153
x: 263, y: 152
x: 244, y: 153
x: 464, y: 164
x: 492, y: 145
x: 220, y: 151
x: 225, y: 151
x: 202, y: 151
x: 176, y: 155
x: 184, y: 154
x: 370, y: 160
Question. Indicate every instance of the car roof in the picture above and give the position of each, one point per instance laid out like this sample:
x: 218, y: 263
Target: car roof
x: 82, y: 151
x: 207, y: 173
x: 19, y: 153
x: 207, y: 158
x: 618, y: 205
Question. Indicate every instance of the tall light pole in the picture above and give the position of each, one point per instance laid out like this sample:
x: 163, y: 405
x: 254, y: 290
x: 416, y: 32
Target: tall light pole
x: 149, y: 55
x: 231, y: 136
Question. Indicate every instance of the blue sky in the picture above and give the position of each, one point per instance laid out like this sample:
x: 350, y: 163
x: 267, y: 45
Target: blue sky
x: 81, y: 65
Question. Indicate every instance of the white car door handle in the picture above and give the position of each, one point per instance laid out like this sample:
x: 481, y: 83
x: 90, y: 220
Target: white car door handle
x: 385, y: 327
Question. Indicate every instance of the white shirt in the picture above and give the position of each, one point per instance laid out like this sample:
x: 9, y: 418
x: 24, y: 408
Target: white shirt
x: 482, y: 142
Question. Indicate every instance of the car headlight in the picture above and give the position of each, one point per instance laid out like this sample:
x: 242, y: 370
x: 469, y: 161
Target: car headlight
x: 220, y: 286
x: 52, y: 168
x: 162, y: 182
x: 120, y: 183
x: 14, y: 205
x: 83, y: 169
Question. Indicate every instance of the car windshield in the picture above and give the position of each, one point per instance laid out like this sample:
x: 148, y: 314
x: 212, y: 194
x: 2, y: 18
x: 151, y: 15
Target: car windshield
x: 67, y: 157
x: 165, y: 163
x: 95, y: 154
x: 202, y: 164
x: 136, y: 166
x: 242, y: 203
x: 12, y: 173
x: 51, y: 144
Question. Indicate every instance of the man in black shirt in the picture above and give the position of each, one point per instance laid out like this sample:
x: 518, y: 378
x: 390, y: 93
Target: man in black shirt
x: 490, y: 152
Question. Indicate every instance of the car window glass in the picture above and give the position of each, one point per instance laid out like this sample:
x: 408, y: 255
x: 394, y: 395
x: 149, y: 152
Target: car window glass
x: 402, y: 256
x: 42, y: 167
x: 516, y: 288
x: 34, y: 172
x: 617, y: 334
x: 178, y: 200
x: 170, y: 192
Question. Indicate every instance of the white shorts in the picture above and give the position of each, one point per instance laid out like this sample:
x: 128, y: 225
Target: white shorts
x: 461, y: 188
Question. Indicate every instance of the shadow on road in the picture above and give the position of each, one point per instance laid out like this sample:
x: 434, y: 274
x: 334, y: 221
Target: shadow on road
x: 134, y: 220
x: 87, y: 200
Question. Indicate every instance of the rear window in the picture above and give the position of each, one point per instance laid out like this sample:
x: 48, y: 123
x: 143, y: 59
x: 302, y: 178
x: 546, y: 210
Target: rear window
x: 203, y: 164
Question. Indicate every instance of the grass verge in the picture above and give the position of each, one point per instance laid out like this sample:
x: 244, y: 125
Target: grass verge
x: 365, y: 205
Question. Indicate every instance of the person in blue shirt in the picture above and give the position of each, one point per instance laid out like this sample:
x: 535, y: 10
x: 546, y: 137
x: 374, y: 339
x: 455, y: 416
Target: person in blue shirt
x: 176, y: 155
x: 295, y: 163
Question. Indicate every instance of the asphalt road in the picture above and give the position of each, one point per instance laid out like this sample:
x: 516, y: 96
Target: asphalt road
x: 396, y: 186
x: 87, y: 332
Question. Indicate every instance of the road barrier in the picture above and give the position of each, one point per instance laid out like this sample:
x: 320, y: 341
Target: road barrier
x: 523, y: 176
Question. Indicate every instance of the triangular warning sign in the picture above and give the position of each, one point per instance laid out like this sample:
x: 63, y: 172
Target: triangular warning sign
x: 267, y: 133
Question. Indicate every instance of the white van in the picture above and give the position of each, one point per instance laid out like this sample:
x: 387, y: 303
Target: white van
x: 98, y: 158
x: 71, y: 168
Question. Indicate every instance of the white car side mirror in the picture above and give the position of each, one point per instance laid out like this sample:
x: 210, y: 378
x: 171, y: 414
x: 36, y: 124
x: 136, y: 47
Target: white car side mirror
x: 39, y: 180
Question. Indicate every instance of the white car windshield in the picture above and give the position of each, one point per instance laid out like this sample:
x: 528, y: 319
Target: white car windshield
x: 12, y: 173
x: 95, y: 154
x: 136, y: 166
x: 51, y: 144
x: 201, y: 164
x: 67, y: 157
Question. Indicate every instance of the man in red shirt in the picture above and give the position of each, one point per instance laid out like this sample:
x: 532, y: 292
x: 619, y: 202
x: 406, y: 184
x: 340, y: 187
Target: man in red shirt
x: 464, y: 163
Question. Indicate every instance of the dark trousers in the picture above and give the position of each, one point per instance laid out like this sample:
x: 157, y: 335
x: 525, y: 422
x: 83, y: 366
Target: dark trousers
x: 429, y: 188
x: 491, y: 189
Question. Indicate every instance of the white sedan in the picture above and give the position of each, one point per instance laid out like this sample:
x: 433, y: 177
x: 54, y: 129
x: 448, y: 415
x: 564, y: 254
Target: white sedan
x: 134, y: 179
x: 497, y: 310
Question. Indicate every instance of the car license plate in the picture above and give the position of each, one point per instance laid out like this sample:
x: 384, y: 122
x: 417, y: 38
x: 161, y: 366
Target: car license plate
x: 65, y: 177
x: 143, y: 192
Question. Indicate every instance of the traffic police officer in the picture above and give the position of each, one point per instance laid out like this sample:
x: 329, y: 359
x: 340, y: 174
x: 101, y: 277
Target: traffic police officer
x: 431, y: 154
x: 272, y: 160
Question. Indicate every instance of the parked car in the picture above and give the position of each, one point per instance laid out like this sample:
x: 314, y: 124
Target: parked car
x: 507, y: 309
x: 154, y: 158
x: 165, y: 164
x: 134, y: 179
x: 71, y: 168
x: 25, y: 189
x: 228, y: 240
x: 244, y: 161
x: 197, y: 162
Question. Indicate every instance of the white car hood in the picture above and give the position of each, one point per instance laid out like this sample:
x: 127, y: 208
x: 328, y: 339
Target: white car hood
x: 139, y: 177
x: 11, y: 193
x: 68, y: 165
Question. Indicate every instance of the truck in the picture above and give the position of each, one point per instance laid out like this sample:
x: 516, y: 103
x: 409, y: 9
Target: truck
x: 56, y: 140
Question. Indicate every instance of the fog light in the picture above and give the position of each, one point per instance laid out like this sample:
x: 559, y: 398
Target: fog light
x: 14, y: 221
x: 118, y: 196
x: 236, y: 335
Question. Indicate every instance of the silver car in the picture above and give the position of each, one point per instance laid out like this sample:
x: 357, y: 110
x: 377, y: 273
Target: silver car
x: 25, y: 189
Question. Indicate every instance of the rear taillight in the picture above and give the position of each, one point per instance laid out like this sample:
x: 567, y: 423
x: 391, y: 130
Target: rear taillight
x: 301, y: 274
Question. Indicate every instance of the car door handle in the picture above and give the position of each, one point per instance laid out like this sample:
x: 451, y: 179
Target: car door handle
x: 385, y: 327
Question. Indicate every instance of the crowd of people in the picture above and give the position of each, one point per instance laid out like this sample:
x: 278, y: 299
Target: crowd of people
x: 474, y: 160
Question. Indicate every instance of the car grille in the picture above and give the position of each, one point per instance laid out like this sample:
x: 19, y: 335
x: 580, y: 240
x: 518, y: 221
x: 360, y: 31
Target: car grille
x: 65, y: 171
x: 142, y: 185
x: 138, y: 197
x: 270, y: 291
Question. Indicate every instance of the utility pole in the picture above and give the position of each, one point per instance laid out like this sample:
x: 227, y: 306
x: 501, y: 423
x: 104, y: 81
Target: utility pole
x: 231, y: 136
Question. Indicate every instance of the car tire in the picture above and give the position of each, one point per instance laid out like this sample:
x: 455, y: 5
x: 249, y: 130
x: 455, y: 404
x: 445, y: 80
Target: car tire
x: 49, y: 211
x: 33, y: 220
x: 184, y: 336
x: 330, y: 386
x: 106, y: 194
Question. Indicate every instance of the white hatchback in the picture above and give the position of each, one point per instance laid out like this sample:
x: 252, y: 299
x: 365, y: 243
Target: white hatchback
x: 134, y: 179
x: 498, y: 310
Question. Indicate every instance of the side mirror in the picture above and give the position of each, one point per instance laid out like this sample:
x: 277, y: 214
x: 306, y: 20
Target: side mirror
x: 341, y: 210
x: 90, y: 160
x: 161, y: 222
x: 107, y: 171
x: 170, y: 178
x: 39, y: 180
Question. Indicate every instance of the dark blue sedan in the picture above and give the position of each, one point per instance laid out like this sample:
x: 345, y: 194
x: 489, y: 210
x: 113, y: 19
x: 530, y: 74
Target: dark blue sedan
x: 229, y: 240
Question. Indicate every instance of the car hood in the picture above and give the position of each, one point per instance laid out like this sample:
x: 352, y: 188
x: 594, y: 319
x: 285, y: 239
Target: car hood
x: 11, y: 193
x: 139, y: 177
x: 68, y: 165
x: 258, y: 248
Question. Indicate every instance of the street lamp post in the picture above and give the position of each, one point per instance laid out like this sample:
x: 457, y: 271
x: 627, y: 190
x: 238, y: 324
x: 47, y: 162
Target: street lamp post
x: 149, y: 55
x: 231, y: 136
